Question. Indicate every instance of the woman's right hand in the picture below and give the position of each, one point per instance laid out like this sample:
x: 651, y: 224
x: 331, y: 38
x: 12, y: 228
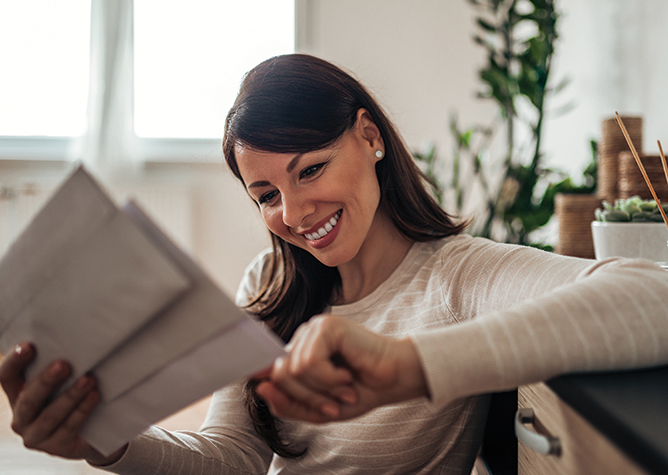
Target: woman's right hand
x: 45, y: 425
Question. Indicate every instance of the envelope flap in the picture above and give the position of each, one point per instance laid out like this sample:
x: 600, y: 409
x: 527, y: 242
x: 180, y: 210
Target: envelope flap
x: 240, y: 350
x: 76, y: 211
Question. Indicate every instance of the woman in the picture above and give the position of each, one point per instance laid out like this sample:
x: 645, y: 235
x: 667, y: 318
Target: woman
x: 355, y: 233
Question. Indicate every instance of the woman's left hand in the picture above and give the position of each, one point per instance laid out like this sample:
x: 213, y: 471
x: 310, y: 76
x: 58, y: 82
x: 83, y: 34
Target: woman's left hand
x: 44, y: 422
x: 337, y: 370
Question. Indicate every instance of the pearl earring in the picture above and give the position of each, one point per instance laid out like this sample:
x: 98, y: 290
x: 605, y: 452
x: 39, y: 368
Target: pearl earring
x: 379, y: 153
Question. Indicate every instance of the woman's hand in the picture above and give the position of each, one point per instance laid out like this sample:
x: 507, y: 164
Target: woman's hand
x: 50, y: 426
x: 336, y: 370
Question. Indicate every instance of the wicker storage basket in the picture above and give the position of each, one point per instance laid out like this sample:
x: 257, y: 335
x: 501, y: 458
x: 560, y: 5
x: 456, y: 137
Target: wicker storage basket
x: 631, y: 181
x: 575, y: 213
x: 611, y: 144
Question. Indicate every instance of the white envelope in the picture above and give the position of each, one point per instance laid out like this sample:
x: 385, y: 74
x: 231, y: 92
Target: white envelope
x: 205, y: 310
x: 81, y: 279
x: 106, y: 290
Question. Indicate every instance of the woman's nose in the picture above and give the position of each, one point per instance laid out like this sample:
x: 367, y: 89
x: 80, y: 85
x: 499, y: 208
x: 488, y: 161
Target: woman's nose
x: 295, y: 209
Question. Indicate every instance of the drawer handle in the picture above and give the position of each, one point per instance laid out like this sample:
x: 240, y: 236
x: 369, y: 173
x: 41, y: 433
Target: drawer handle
x: 543, y: 443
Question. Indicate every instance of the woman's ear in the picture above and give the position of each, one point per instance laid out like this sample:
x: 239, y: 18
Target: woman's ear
x: 369, y: 132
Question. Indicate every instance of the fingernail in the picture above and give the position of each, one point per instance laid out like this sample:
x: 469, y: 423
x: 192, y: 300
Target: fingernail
x: 349, y: 397
x: 83, y: 383
x: 280, y: 361
x: 22, y: 348
x: 330, y: 409
x: 56, y: 368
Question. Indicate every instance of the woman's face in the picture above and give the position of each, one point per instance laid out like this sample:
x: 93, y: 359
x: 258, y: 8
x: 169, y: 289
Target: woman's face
x: 323, y: 201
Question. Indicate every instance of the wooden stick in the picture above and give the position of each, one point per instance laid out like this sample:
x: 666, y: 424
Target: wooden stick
x: 642, y: 168
x: 663, y: 159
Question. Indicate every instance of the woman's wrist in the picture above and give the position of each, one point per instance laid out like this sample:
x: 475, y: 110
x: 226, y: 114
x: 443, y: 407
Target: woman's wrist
x: 412, y: 380
x: 96, y: 459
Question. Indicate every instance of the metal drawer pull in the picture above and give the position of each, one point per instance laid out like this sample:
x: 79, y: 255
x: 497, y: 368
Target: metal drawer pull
x: 543, y: 443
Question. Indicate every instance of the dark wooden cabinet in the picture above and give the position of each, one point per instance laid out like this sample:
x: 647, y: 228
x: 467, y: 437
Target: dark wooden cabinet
x: 582, y: 449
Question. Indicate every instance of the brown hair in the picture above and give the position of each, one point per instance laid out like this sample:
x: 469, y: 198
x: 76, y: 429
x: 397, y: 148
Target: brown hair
x: 296, y: 104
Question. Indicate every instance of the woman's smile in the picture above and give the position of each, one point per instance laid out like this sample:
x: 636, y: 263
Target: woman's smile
x: 322, y: 230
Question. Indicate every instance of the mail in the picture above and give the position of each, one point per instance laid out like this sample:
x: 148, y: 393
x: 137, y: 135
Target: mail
x: 104, y: 288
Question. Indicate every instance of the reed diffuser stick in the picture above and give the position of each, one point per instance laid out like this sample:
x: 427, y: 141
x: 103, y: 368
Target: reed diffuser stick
x: 663, y: 159
x: 642, y: 168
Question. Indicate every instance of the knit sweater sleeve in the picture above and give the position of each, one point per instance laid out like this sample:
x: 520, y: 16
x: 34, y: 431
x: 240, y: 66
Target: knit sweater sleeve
x: 527, y: 316
x: 225, y: 444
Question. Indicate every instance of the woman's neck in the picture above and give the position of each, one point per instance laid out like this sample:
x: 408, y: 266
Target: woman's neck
x: 381, y: 253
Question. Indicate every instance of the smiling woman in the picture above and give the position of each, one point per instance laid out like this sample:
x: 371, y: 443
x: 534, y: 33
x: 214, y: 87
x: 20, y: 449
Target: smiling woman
x: 312, y: 143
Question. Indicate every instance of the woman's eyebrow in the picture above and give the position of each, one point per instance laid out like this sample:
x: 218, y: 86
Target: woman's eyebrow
x: 293, y: 163
x: 258, y: 184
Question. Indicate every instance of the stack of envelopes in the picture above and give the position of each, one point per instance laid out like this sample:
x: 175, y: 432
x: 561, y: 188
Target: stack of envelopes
x: 106, y: 290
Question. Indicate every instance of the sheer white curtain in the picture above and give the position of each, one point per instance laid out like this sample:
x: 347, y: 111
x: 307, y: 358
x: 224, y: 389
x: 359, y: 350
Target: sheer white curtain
x: 109, y: 143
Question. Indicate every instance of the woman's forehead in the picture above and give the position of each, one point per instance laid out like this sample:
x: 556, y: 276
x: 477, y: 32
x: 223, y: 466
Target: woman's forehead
x: 250, y: 151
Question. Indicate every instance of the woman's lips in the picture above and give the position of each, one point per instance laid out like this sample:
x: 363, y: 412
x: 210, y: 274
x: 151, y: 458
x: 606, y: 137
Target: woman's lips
x: 324, y: 229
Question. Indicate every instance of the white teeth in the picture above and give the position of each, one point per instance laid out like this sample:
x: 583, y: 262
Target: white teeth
x: 322, y: 232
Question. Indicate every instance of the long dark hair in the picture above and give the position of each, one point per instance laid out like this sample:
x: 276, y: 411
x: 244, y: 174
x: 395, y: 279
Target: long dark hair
x: 296, y: 104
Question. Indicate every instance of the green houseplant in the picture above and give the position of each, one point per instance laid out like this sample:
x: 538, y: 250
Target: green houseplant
x: 514, y: 190
x: 631, y: 210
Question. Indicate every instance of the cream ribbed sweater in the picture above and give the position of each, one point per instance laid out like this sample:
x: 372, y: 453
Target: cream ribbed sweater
x: 485, y: 317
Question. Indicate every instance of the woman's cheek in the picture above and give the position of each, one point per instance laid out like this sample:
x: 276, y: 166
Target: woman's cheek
x: 269, y: 218
x: 273, y: 219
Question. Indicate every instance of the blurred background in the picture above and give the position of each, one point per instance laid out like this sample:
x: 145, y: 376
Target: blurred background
x: 496, y: 99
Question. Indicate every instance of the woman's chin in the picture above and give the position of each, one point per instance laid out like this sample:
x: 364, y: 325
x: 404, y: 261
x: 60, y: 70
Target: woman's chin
x: 334, y: 258
x: 329, y: 261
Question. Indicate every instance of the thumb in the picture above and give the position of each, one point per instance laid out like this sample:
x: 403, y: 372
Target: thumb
x: 12, y: 369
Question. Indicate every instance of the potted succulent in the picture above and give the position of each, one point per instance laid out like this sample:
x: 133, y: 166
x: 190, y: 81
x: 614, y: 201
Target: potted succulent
x: 631, y: 227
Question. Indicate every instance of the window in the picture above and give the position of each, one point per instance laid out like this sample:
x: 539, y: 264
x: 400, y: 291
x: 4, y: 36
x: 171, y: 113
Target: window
x: 44, y: 51
x: 189, y: 59
x: 185, y: 63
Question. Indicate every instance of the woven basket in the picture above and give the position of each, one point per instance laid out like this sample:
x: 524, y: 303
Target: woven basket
x: 611, y: 144
x: 631, y: 181
x: 575, y: 214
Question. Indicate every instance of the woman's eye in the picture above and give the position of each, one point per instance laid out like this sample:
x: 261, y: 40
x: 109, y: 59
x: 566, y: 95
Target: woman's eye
x: 267, y: 197
x: 310, y: 171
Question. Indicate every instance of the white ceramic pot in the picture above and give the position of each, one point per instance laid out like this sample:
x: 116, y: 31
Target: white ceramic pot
x: 643, y: 240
